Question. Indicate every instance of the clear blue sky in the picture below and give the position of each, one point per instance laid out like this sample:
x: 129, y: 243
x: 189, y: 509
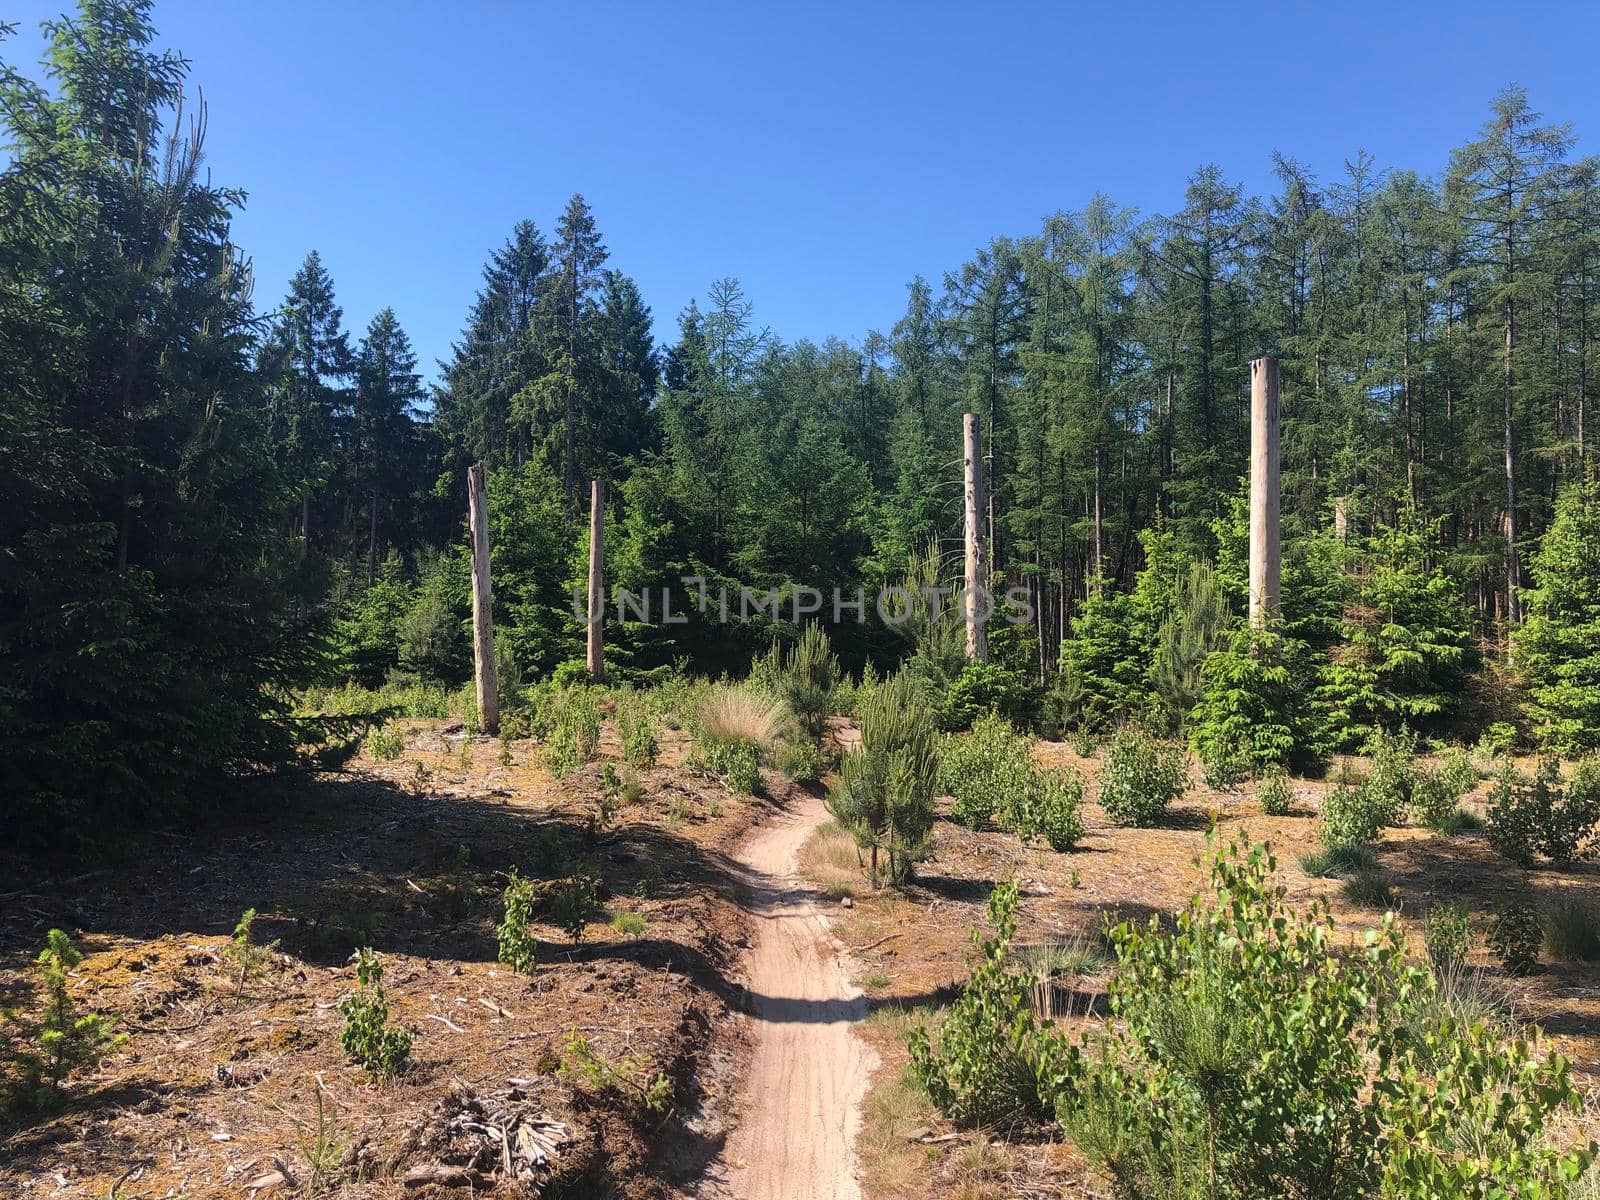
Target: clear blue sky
x: 824, y: 154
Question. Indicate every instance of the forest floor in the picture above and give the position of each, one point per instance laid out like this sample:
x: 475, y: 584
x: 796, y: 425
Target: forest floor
x: 917, y: 947
x: 230, y: 1090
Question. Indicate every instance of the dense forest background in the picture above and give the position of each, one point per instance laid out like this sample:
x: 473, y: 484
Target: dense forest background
x: 210, y: 500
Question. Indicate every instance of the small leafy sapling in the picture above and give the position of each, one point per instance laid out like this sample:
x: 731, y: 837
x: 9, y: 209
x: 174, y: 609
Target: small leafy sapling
x: 577, y: 902
x: 518, y: 948
x: 629, y: 1076
x: 367, y: 1037
x: 64, y: 1040
x: 246, y: 958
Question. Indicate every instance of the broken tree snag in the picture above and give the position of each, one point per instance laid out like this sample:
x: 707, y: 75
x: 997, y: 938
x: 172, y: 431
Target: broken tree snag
x: 1341, y: 518
x: 482, y: 603
x: 1265, y: 550
x: 597, y: 582
x: 975, y: 590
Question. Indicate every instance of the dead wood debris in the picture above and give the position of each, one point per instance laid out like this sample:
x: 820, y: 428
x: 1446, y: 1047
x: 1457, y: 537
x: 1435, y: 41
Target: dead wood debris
x: 477, y: 1140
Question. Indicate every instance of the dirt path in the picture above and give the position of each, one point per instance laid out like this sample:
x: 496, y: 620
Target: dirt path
x: 808, y: 1073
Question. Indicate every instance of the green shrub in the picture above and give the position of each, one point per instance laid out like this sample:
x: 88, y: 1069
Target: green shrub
x: 802, y: 762
x: 1140, y: 778
x: 629, y: 924
x: 519, y: 949
x: 576, y: 902
x: 637, y: 731
x: 991, y: 1061
x: 1246, y: 1061
x: 1433, y: 798
x: 1540, y: 816
x: 1391, y: 776
x: 571, y: 672
x: 804, y: 678
x: 629, y: 1077
x: 1274, y: 794
x: 1348, y: 817
x: 63, y: 1040
x: 1447, y: 935
x: 1460, y: 773
x: 571, y: 718
x: 987, y: 687
x: 367, y: 1037
x: 1516, y: 937
x: 987, y: 772
x: 1058, y: 808
x: 1251, y: 711
x: 1570, y: 931
x: 386, y: 743
x: 737, y: 760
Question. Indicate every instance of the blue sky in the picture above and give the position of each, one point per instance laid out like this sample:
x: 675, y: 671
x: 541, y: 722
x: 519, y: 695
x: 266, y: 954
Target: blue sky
x: 824, y: 154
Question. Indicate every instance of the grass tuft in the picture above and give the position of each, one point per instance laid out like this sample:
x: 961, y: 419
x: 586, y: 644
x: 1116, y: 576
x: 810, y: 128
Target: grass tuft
x: 1339, y: 860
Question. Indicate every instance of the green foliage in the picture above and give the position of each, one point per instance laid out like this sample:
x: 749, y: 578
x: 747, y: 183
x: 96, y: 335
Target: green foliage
x: 572, y: 717
x: 988, y: 770
x: 1059, y: 808
x: 991, y: 1062
x: 629, y: 1076
x: 802, y: 762
x: 1433, y: 798
x: 1349, y: 817
x: 637, y: 730
x: 245, y: 956
x: 1391, y: 775
x: 1368, y: 889
x: 884, y: 793
x: 1447, y: 935
x: 1247, y: 1060
x: 737, y: 760
x: 519, y: 949
x: 1340, y: 858
x: 629, y: 924
x: 1140, y: 778
x: 575, y: 901
x: 63, y: 1040
x: 1570, y: 931
x: 804, y: 678
x: 1558, y: 643
x: 1541, y: 816
x: 1103, y: 658
x: 367, y: 1038
x: 1516, y: 937
x: 986, y: 687
x: 1252, y: 712
x: 1273, y: 793
x: 1186, y: 638
x: 386, y: 743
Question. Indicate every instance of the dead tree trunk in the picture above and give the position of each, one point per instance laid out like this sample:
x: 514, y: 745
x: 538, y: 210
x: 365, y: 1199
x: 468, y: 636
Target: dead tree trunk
x: 597, y: 585
x: 975, y: 598
x: 482, y: 603
x: 1265, y: 548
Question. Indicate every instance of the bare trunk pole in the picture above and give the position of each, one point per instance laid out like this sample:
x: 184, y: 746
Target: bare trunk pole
x: 597, y: 582
x: 975, y: 592
x: 482, y: 603
x: 1341, y: 519
x: 1265, y: 549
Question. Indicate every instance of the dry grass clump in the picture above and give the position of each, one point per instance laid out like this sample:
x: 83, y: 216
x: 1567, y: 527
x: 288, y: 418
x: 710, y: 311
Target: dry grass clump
x: 830, y: 858
x: 734, y: 714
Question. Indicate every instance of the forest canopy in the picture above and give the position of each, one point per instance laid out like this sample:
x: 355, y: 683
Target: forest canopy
x: 211, y: 500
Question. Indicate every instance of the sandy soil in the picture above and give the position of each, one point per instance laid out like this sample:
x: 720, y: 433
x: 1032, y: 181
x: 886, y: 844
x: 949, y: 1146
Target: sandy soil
x: 809, y: 1071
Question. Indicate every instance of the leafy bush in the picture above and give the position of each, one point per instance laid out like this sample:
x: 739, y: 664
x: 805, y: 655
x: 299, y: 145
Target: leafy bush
x: 802, y: 762
x: 519, y: 949
x: 571, y: 717
x: 1246, y: 1061
x: 990, y: 769
x: 637, y: 731
x: 63, y: 1040
x: 629, y: 1076
x: 367, y: 1037
x: 576, y: 902
x: 1516, y: 937
x: 737, y: 760
x: 1543, y: 817
x: 804, y: 678
x: 991, y: 1061
x: 884, y: 793
x: 1433, y: 798
x: 1058, y: 808
x: 1447, y: 935
x: 1348, y: 817
x: 1459, y: 771
x: 1392, y: 774
x: 1140, y: 778
x: 386, y: 743
x: 1251, y: 712
x: 1274, y: 794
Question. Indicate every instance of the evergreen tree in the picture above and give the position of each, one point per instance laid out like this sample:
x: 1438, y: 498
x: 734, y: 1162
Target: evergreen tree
x: 1558, y: 646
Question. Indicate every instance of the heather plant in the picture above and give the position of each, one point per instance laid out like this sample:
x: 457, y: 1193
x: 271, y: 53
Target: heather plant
x: 367, y: 1038
x: 1140, y: 778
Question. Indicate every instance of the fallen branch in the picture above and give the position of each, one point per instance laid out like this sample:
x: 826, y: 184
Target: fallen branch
x: 446, y: 1022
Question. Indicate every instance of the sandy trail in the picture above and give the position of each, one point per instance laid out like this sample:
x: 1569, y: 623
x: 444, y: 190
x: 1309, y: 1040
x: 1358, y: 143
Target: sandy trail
x: 808, y: 1074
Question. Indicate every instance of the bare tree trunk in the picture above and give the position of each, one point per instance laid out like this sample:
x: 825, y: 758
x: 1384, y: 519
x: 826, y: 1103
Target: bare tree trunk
x: 372, y: 540
x: 975, y: 598
x: 482, y: 603
x: 1265, y: 548
x: 597, y: 583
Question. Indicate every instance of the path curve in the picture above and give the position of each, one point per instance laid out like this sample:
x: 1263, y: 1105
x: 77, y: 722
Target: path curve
x: 808, y: 1075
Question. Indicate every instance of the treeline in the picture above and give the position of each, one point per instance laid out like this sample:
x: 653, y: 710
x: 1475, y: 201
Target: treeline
x: 204, y: 508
